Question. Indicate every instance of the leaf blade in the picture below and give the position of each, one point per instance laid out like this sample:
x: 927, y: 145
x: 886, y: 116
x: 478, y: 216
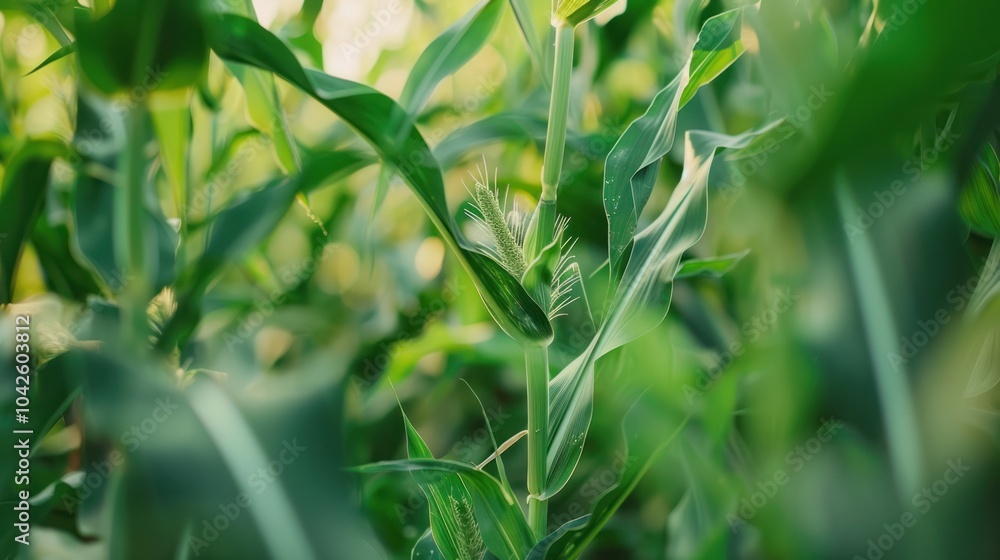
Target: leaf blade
x: 367, y: 111
x: 525, y: 22
x: 505, y: 531
x: 713, y: 267
x: 21, y: 202
x: 449, y: 52
x: 633, y: 164
x: 640, y: 302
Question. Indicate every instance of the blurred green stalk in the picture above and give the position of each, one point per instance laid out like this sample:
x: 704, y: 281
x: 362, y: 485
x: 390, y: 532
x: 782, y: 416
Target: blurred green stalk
x: 130, y: 237
x: 898, y: 410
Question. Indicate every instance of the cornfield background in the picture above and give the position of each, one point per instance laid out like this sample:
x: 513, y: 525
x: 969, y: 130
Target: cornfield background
x: 678, y: 279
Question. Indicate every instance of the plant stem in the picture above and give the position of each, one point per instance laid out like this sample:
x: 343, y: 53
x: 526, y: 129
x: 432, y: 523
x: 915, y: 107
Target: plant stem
x: 543, y: 221
x: 131, y: 237
x: 555, y: 137
x: 537, y: 366
x: 537, y: 357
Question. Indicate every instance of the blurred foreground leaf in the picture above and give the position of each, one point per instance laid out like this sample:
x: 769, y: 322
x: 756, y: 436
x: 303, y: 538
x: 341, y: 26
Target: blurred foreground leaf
x: 25, y: 182
x: 135, y: 46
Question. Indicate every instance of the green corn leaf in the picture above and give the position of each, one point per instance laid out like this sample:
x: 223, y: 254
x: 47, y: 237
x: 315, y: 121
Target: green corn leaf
x: 498, y: 456
x: 450, y: 52
x: 92, y: 204
x: 489, y: 130
x: 370, y: 112
x: 986, y: 372
x: 510, y: 126
x: 272, y: 511
x: 497, y: 514
x: 61, y: 270
x: 268, y: 116
x: 230, y: 440
x: 640, y: 302
x: 575, y: 12
x: 717, y: 47
x: 134, y: 45
x: 765, y: 143
x: 171, y: 118
x: 452, y: 534
x: 989, y: 283
x: 100, y: 135
x: 633, y: 164
x: 300, y: 31
x: 426, y: 548
x: 455, y: 533
x: 246, y: 222
x: 59, y: 492
x: 328, y: 167
x: 60, y: 54
x: 899, y: 410
x: 49, y: 11
x: 980, y: 200
x: 492, y: 129
x: 715, y: 267
x: 442, y: 58
x: 700, y: 524
x: 53, y: 391
x: 640, y: 457
x: 242, y: 225
x: 687, y: 17
x: 526, y: 23
x: 541, y: 549
x: 21, y: 201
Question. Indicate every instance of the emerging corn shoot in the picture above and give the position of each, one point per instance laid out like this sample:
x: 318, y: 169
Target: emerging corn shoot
x: 505, y: 229
x: 549, y: 277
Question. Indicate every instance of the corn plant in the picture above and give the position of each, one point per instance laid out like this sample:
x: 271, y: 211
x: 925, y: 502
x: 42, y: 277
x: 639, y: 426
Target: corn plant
x: 197, y: 145
x: 532, y: 249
